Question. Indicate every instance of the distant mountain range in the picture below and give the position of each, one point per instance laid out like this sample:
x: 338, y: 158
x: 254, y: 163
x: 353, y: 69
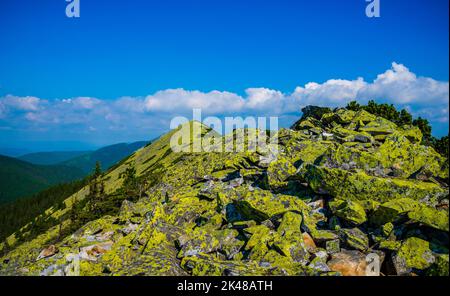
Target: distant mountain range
x: 13, y: 152
x: 19, y: 178
x: 31, y: 173
x: 107, y: 156
x: 53, y: 157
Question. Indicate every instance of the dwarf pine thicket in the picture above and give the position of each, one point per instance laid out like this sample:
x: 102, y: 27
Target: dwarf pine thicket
x: 348, y: 183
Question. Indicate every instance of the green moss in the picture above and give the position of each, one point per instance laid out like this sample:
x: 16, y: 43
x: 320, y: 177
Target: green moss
x: 290, y: 242
x: 260, y: 205
x: 430, y: 217
x: 379, y: 126
x: 439, y: 267
x: 349, y: 210
x: 414, y: 253
x: 355, y: 238
x: 387, y: 229
x: 306, y: 151
x: 279, y: 171
x: 390, y: 245
x: 392, y: 210
x: 333, y: 246
x: 360, y: 186
x: 309, y: 224
x: 260, y: 234
x: 406, y: 158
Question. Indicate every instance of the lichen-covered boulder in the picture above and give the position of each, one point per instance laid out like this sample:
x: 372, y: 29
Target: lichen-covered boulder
x: 207, y: 265
x: 379, y: 126
x: 360, y: 186
x: 355, y: 238
x: 349, y: 210
x: 431, y: 217
x: 204, y: 240
x: 290, y: 242
x: 346, y: 135
x: 393, y: 210
x: 413, y: 133
x: 260, y: 205
x: 279, y: 171
x: 307, y: 151
x: 414, y: 254
x: 333, y: 246
x: 413, y: 210
x: 440, y: 266
x: 309, y: 224
x: 407, y: 159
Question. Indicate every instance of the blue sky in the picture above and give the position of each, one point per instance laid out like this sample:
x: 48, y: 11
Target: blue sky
x: 129, y: 53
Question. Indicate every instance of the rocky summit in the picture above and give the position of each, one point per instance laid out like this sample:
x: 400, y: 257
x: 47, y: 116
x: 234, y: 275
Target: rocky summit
x: 348, y: 193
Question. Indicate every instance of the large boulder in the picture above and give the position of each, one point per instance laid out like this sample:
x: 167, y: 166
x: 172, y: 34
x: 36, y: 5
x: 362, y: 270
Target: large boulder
x: 349, y: 210
x: 290, y: 243
x: 348, y: 263
x: 260, y: 205
x: 414, y: 254
x: 360, y: 186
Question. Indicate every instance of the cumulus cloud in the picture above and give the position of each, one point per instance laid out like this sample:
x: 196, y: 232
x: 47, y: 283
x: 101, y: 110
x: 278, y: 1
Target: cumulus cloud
x: 334, y: 92
x: 20, y: 103
x: 399, y: 85
x: 423, y: 96
x: 213, y: 102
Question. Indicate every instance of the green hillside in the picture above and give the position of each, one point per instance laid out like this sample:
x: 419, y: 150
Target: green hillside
x: 107, y: 156
x: 20, y: 179
x: 15, y: 214
x: 52, y: 157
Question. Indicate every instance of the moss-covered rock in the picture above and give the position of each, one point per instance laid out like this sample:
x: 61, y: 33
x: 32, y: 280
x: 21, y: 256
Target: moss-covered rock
x: 290, y: 242
x: 440, y: 266
x: 414, y: 254
x: 390, y: 245
x: 260, y: 205
x: 333, y: 246
x: 349, y: 210
x: 430, y: 216
x: 406, y: 158
x: 392, y: 210
x: 279, y: 171
x: 360, y: 186
x: 355, y: 238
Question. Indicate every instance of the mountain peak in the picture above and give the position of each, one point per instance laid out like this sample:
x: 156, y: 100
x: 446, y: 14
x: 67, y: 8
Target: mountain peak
x: 345, y: 185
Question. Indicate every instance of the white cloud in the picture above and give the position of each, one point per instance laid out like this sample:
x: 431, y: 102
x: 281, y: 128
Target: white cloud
x: 83, y: 102
x: 264, y: 99
x: 400, y: 86
x: 422, y: 96
x: 397, y: 85
x: 20, y: 103
x: 179, y: 100
x: 334, y: 92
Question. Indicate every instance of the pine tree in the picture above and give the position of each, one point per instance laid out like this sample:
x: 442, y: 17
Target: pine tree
x: 96, y: 189
x: 130, y: 182
x: 405, y: 118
